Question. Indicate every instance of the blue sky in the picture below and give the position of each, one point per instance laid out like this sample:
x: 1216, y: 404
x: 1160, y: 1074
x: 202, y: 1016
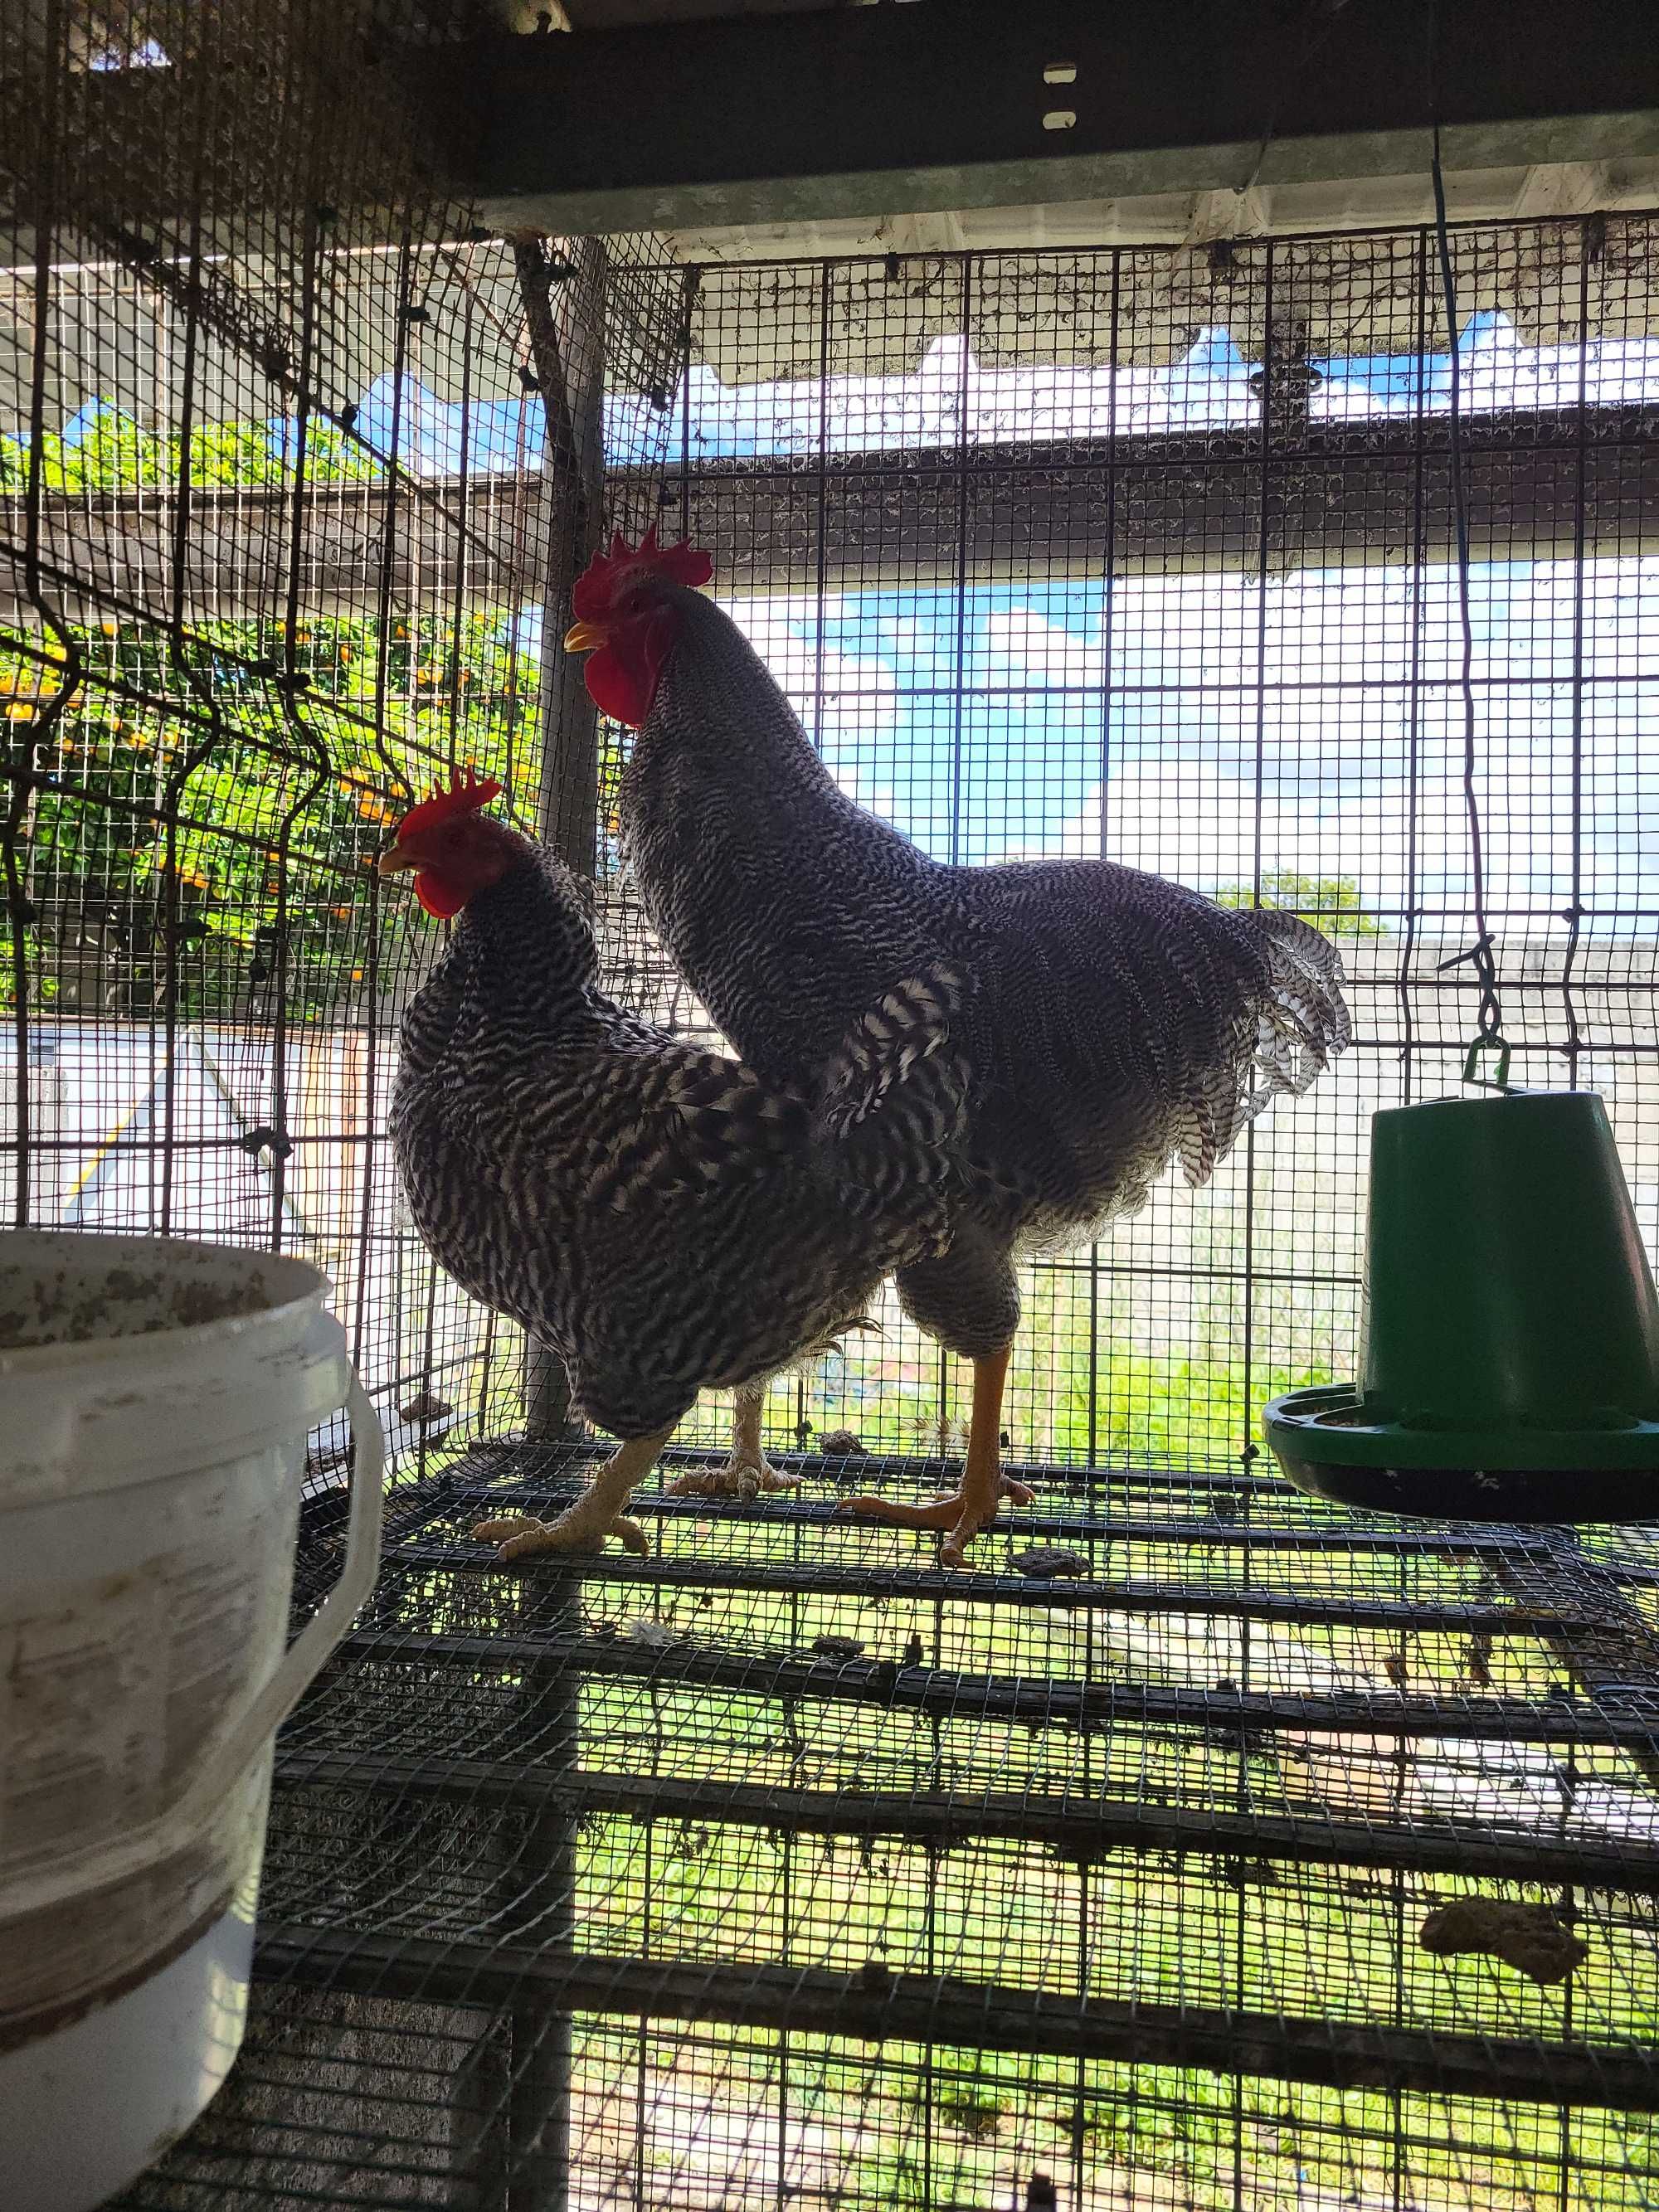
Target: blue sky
x: 1215, y: 680
x: 1215, y: 683
x: 1029, y: 751
x: 948, y: 395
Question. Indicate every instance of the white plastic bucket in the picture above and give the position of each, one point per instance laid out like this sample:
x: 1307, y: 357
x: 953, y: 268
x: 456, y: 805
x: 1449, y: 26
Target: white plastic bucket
x: 155, y: 1399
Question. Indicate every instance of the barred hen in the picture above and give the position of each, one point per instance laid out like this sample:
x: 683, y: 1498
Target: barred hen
x: 663, y: 1218
x: 1015, y: 1051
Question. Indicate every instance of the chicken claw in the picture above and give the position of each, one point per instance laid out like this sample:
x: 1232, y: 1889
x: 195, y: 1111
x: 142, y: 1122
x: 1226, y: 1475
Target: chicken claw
x: 972, y: 1508
x: 520, y: 1537
x: 596, y: 1514
x: 963, y: 1515
x: 748, y: 1472
x: 739, y: 1478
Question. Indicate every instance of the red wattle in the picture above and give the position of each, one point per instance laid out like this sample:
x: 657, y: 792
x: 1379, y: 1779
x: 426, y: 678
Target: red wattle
x: 623, y: 676
x: 616, y: 687
x: 443, y: 899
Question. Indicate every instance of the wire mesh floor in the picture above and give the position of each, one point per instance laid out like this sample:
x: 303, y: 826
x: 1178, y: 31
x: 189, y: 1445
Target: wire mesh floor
x: 783, y: 1867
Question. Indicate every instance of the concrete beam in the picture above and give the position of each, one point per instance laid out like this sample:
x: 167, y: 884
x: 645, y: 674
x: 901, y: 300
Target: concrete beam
x: 926, y: 107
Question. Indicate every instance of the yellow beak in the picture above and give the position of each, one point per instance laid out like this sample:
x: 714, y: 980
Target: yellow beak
x: 394, y: 860
x: 585, y: 636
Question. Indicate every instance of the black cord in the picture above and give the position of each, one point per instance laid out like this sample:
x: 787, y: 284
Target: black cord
x: 1318, y: 21
x: 1490, y: 1025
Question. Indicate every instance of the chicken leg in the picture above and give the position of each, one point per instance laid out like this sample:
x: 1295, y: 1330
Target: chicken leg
x: 748, y: 1472
x: 596, y: 1514
x: 971, y: 1509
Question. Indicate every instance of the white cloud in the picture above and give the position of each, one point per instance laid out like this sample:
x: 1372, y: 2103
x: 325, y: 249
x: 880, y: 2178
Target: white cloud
x: 1212, y: 689
x: 835, y: 694
x: 1343, y: 789
x: 1179, y: 632
x: 1189, y: 820
x: 1025, y: 647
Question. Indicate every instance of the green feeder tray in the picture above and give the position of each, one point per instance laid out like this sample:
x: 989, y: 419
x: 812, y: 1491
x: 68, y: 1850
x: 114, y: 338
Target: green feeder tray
x: 1511, y: 1365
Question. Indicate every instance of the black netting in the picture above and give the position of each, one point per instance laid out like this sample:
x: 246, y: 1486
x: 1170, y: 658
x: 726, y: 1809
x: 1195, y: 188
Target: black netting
x: 783, y: 1867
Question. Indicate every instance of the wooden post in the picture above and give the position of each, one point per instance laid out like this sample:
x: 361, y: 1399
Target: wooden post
x: 565, y: 304
x: 565, y: 316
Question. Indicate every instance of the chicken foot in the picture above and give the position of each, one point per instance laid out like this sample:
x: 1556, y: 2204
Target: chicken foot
x: 748, y: 1472
x: 967, y: 1511
x: 596, y: 1514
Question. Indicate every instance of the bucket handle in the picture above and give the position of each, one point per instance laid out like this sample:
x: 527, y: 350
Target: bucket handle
x: 230, y: 1759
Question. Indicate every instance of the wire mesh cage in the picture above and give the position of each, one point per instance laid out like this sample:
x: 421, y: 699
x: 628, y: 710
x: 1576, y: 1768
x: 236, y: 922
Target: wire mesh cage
x: 1202, y: 1845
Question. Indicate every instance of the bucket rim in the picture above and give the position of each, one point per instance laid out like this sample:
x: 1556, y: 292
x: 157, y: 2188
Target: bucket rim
x: 302, y: 1289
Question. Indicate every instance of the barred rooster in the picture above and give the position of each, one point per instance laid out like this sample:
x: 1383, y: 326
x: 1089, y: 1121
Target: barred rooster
x: 662, y: 1217
x: 1014, y: 1052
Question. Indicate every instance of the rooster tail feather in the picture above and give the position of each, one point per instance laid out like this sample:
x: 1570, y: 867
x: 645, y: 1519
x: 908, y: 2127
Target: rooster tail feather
x: 1303, y: 1023
x: 1308, y: 1013
x: 1293, y: 1026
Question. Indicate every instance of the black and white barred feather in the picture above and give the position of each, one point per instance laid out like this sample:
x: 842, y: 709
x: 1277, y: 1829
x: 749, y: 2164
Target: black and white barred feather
x: 666, y: 1218
x: 1007, y: 1055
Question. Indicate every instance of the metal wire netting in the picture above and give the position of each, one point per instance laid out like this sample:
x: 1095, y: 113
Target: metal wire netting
x: 783, y: 1867
x: 282, y: 496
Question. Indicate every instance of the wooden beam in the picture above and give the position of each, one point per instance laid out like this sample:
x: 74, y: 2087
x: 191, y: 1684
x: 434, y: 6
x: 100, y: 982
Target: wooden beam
x: 1345, y: 495
x: 1353, y: 495
x: 566, y: 326
x: 1623, y: 1720
x: 1073, y: 1828
x: 874, y: 2006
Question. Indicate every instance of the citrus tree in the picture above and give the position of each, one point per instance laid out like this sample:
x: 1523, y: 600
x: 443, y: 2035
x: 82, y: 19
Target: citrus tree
x: 202, y: 806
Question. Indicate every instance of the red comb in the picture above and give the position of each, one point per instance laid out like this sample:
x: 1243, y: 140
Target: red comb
x: 607, y: 572
x: 464, y: 796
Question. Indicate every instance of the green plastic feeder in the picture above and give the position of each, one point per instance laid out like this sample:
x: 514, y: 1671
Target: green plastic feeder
x: 1511, y: 1367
